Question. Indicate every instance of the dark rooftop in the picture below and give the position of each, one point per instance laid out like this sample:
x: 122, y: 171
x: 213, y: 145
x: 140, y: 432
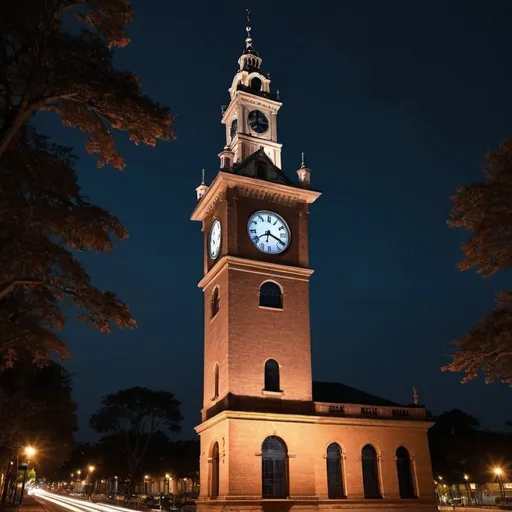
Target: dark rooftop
x: 259, y: 166
x: 334, y: 392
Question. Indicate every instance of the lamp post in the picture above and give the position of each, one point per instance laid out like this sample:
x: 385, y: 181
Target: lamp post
x: 91, y: 469
x: 468, y: 488
x: 498, y: 472
x: 146, y: 484
x: 29, y: 453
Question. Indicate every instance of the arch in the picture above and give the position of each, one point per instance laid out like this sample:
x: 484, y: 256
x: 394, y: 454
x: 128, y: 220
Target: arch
x: 370, y: 472
x: 272, y: 375
x: 274, y: 471
x: 271, y: 295
x: 256, y: 84
x: 215, y: 381
x: 215, y: 302
x: 214, y: 471
x: 404, y: 470
x: 334, y: 472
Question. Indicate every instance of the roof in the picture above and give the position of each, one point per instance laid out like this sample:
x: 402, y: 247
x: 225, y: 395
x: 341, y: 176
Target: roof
x: 334, y: 392
x: 259, y: 166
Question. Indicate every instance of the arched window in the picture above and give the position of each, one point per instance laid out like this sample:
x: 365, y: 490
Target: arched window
x: 215, y: 301
x: 214, y: 471
x: 274, y: 456
x: 215, y: 382
x: 334, y: 472
x: 256, y: 84
x: 370, y: 472
x: 403, y: 467
x: 272, y: 375
x: 270, y: 295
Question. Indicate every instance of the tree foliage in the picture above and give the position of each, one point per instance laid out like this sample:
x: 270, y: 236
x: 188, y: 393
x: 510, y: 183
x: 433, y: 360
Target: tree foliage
x: 56, y: 55
x: 459, y: 446
x: 132, y: 418
x: 485, y: 209
x: 36, y: 408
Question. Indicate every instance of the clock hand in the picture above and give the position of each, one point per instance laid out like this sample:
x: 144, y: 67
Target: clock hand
x: 278, y: 239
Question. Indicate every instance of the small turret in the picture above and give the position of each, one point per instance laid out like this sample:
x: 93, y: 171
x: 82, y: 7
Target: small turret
x: 227, y: 158
x: 304, y: 174
x: 202, y: 189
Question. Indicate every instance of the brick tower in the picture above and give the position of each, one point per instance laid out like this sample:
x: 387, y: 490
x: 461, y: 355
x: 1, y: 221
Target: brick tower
x: 271, y: 438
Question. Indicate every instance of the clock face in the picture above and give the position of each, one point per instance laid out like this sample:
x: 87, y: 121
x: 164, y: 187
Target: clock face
x: 258, y: 121
x: 234, y: 127
x: 214, y: 239
x: 268, y: 232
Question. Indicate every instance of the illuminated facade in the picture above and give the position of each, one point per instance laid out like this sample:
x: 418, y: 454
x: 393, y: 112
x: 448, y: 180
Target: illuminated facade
x: 271, y: 437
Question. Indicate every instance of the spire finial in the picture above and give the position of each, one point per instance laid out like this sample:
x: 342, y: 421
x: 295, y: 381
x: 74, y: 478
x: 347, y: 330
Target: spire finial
x: 248, y: 27
x: 302, y: 160
x: 202, y: 177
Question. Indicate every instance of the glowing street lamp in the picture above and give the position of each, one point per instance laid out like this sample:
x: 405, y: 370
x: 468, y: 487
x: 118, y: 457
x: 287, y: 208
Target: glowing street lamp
x: 30, y: 451
x: 498, y: 472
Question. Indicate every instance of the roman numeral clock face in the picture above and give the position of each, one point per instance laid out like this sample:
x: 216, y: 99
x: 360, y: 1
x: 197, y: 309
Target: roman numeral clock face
x: 268, y: 232
x: 214, y: 239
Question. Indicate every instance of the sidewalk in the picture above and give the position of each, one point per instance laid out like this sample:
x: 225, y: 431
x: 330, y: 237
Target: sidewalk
x: 29, y: 504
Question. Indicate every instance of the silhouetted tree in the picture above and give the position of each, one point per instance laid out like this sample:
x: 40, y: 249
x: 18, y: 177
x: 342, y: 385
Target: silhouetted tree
x: 132, y: 418
x: 56, y: 55
x: 36, y: 408
x: 485, y: 209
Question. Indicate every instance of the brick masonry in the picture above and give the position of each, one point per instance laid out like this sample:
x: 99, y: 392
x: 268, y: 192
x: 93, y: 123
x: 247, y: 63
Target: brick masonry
x: 240, y: 338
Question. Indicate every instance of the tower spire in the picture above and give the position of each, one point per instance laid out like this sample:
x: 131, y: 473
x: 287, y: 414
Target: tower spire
x: 248, y: 27
x: 249, y: 59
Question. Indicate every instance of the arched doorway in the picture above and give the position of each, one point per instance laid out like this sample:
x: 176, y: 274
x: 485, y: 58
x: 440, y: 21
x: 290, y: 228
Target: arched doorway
x: 274, y: 456
x: 334, y: 472
x: 404, y: 470
x: 370, y: 472
x: 214, y: 471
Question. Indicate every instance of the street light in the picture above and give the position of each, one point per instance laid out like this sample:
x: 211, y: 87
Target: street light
x: 468, y: 487
x: 498, y: 472
x: 30, y: 451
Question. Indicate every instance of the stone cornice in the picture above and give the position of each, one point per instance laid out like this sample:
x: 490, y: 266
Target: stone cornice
x: 250, y: 187
x: 317, y: 420
x: 252, y: 140
x: 255, y: 267
x: 250, y: 99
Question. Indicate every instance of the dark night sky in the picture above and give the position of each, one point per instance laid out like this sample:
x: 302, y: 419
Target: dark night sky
x: 395, y: 104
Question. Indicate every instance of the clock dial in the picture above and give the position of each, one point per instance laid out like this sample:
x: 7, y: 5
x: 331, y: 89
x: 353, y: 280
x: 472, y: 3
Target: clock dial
x: 234, y: 127
x: 214, y: 239
x: 268, y: 232
x: 258, y: 121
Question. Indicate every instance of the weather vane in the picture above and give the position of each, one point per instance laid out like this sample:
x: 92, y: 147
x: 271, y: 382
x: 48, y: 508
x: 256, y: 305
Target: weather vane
x: 248, y: 28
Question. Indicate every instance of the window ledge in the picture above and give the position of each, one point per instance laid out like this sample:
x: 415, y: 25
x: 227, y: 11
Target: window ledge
x: 270, y: 308
x: 272, y: 393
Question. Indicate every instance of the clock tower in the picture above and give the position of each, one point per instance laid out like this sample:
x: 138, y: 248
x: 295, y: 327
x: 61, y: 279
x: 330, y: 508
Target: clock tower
x: 251, y: 116
x: 267, y: 429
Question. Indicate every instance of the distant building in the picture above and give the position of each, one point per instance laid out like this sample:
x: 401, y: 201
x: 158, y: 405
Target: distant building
x: 271, y: 438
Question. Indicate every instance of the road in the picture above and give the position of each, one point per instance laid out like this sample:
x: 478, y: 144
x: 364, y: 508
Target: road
x: 59, y: 503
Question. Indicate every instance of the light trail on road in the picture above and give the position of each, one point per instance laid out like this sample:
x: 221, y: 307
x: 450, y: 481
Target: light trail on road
x: 75, y: 504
